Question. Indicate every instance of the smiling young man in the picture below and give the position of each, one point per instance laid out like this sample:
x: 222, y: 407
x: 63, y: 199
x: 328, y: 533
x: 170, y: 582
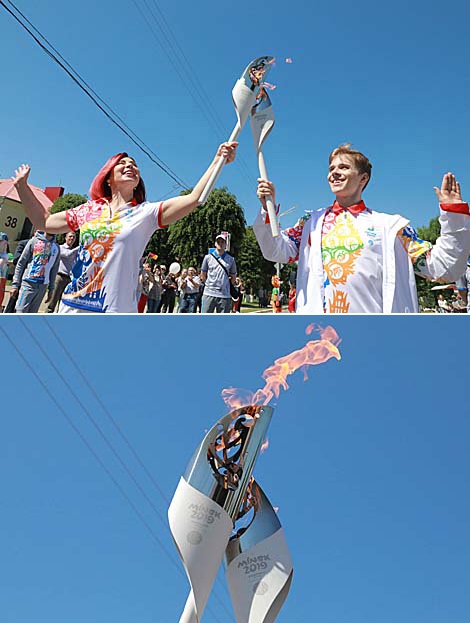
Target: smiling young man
x: 352, y: 259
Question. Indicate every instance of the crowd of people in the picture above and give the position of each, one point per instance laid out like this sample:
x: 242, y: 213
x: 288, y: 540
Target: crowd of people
x: 350, y: 258
x: 188, y: 291
x: 42, y: 270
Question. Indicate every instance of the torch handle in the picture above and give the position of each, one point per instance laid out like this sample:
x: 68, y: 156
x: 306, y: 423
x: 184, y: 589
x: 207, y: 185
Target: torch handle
x: 269, y: 202
x: 189, y: 612
x: 218, y: 168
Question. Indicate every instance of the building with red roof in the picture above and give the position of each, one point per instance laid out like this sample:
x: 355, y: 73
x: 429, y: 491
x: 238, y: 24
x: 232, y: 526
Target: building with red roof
x: 13, y: 220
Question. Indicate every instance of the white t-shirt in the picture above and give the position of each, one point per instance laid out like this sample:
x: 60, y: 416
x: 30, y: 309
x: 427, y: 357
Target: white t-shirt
x: 105, y: 275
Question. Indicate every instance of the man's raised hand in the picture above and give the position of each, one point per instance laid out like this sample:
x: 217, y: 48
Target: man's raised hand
x: 449, y: 192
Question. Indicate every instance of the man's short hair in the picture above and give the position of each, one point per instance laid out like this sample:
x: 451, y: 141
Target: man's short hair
x: 361, y: 162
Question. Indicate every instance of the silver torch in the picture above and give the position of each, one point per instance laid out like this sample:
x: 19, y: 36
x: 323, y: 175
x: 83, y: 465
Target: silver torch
x: 258, y: 563
x: 215, y: 492
x: 262, y: 122
x: 244, y: 94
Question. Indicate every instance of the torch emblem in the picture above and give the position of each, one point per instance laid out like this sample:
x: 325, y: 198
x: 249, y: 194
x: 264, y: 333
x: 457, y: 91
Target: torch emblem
x: 216, y: 492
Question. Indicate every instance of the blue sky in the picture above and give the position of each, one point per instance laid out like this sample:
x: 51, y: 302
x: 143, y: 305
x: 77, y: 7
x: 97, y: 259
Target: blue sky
x: 390, y: 78
x: 368, y: 463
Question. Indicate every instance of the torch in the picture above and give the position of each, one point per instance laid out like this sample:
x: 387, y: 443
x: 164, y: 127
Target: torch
x: 244, y: 95
x: 258, y: 564
x: 209, y: 497
x: 262, y: 122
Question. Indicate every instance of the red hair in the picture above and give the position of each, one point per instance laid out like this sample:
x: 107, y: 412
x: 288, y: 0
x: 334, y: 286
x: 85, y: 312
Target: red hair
x: 100, y: 188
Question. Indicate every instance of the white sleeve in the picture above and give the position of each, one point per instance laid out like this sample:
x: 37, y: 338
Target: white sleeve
x: 447, y: 260
x: 282, y: 249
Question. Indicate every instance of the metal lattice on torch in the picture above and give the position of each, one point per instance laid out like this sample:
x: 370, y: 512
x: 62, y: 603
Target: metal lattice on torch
x: 262, y: 122
x: 244, y: 96
x: 215, y: 491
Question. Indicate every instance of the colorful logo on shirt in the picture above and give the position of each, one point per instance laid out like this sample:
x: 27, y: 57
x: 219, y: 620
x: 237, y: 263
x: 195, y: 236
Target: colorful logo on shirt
x: 341, y: 246
x: 41, y: 254
x: 97, y: 238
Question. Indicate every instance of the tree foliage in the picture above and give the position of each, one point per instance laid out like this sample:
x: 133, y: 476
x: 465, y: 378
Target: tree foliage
x: 255, y: 271
x: 430, y: 233
x: 190, y: 237
x: 67, y: 202
x: 159, y: 245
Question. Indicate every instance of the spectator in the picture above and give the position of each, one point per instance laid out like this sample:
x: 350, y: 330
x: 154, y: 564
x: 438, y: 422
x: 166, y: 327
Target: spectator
x: 170, y: 286
x: 144, y: 283
x: 458, y: 303
x: 237, y: 302
x: 35, y: 272
x: 443, y: 305
x: 276, y: 301
x: 217, y: 271
x: 68, y: 257
x: 179, y: 293
x: 463, y: 285
x: 190, y: 292
x: 10, y: 308
x: 199, y: 297
x: 4, y: 262
x: 291, y: 303
x: 155, y: 291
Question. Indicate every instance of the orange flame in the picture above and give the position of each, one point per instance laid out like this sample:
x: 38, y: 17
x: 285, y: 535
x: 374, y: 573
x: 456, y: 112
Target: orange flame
x: 265, y: 445
x: 313, y: 353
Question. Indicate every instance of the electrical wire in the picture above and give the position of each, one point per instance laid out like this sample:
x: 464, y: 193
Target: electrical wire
x: 112, y: 420
x: 103, y: 436
x: 106, y: 411
x: 110, y: 417
x: 87, y: 89
x: 182, y: 65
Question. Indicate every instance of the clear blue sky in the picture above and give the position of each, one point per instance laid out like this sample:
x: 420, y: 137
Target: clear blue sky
x: 368, y: 463
x: 392, y: 78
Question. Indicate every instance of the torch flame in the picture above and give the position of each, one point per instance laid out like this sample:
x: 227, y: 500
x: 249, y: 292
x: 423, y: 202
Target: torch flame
x: 313, y: 353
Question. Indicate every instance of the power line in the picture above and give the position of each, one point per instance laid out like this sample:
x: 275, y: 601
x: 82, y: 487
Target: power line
x: 107, y: 442
x: 89, y: 447
x: 182, y: 65
x: 110, y: 417
x: 105, y: 410
x: 88, y: 90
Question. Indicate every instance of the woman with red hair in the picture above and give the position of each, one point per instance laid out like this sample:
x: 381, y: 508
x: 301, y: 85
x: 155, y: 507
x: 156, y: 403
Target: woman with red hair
x: 115, y: 226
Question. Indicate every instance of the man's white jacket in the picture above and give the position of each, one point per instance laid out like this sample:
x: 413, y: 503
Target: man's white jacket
x: 446, y: 260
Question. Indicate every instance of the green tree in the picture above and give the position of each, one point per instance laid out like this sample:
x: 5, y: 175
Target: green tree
x: 159, y: 245
x: 253, y: 268
x: 190, y: 237
x: 430, y: 233
x: 66, y: 202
